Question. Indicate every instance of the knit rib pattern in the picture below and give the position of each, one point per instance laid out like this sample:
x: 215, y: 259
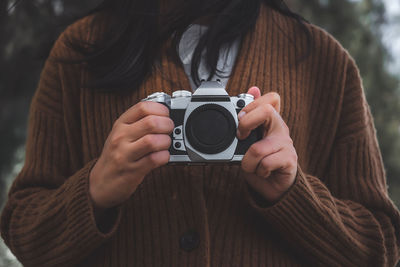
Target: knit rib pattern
x: 337, y: 213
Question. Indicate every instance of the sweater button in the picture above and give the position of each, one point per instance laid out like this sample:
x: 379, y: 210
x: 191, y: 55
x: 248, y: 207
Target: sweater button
x: 189, y: 241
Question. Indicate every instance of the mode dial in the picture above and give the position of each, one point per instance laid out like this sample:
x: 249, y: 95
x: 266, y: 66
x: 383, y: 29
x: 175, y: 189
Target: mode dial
x: 246, y: 96
x: 156, y: 95
x: 159, y: 97
x: 181, y: 93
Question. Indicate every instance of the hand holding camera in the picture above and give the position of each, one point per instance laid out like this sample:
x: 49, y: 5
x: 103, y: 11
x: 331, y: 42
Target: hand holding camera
x: 271, y: 163
x: 137, y: 144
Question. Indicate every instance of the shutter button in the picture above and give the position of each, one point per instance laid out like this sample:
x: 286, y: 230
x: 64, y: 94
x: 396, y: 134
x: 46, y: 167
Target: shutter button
x: 189, y: 241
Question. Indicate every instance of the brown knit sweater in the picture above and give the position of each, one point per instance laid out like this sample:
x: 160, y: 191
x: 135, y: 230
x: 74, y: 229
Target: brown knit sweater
x: 337, y: 213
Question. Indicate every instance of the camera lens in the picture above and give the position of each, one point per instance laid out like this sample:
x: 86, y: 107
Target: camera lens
x: 210, y: 129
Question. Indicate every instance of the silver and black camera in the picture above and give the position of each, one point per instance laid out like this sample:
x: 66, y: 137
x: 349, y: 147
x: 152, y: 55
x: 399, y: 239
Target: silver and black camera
x: 205, y: 124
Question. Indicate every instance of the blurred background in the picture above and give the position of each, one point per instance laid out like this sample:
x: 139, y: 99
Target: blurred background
x: 369, y: 29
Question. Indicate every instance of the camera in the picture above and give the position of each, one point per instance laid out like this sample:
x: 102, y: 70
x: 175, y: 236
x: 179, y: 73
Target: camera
x: 205, y: 124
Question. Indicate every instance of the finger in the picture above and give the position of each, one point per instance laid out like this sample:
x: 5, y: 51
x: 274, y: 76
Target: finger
x: 258, y: 151
x: 271, y: 98
x: 281, y: 161
x: 262, y: 115
x: 141, y: 110
x: 255, y: 91
x: 151, y: 124
x: 128, y: 133
x: 146, y: 145
x: 152, y: 161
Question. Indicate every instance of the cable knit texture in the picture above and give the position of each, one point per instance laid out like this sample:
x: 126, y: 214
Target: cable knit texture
x: 337, y: 213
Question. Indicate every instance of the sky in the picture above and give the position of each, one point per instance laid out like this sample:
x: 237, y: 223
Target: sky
x: 391, y: 33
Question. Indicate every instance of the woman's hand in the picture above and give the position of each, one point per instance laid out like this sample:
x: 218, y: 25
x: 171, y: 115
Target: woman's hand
x: 271, y: 163
x: 137, y: 144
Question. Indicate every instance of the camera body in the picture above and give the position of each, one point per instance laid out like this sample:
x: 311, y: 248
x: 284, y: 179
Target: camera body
x: 205, y: 124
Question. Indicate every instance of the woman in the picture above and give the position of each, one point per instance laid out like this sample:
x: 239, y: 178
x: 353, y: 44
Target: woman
x: 96, y: 191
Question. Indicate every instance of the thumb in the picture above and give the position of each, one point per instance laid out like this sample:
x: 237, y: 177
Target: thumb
x: 255, y: 91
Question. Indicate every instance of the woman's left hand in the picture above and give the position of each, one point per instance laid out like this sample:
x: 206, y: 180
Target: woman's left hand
x: 271, y: 163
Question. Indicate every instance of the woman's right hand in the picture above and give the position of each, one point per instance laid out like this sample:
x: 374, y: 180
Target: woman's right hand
x: 137, y: 144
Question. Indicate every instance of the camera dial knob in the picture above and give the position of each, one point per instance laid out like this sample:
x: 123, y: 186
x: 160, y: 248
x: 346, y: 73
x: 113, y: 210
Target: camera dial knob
x: 181, y: 93
x: 156, y: 95
x: 246, y: 96
x: 159, y: 97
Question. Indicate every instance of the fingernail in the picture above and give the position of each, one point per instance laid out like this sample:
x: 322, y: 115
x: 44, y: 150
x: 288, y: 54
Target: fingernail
x: 241, y: 114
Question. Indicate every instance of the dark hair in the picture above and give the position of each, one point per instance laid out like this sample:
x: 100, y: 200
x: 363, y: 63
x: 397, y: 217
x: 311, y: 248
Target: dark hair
x: 140, y: 29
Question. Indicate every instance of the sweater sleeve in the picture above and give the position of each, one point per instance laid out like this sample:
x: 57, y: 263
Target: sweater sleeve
x: 349, y: 219
x: 48, y: 219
